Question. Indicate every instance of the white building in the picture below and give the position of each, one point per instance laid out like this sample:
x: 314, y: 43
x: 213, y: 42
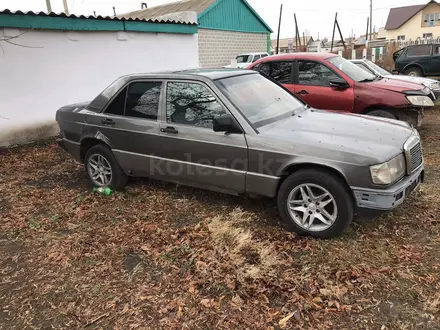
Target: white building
x: 47, y: 61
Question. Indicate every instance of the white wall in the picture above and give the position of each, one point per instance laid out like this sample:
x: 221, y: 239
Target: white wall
x: 69, y: 67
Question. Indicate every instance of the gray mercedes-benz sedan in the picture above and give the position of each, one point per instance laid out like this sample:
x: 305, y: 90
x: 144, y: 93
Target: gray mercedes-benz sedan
x: 237, y: 132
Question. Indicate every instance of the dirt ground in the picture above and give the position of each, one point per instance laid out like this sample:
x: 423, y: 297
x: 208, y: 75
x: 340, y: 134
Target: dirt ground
x: 158, y: 256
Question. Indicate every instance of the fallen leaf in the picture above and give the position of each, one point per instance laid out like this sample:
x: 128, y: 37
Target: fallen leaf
x: 236, y: 300
x: 206, y: 302
x: 283, y: 322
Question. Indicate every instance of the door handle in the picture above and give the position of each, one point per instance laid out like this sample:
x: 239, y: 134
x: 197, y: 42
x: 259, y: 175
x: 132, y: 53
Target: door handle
x: 108, y: 122
x: 169, y: 129
x: 303, y: 92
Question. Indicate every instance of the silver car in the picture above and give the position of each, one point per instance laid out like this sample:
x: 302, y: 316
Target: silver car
x: 236, y: 132
x: 375, y: 69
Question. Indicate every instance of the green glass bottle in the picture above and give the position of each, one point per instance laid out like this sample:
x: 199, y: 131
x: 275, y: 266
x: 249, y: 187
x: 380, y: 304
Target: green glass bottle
x: 103, y: 190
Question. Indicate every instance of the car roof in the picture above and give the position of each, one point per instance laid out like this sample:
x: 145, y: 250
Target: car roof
x: 213, y: 74
x: 293, y: 56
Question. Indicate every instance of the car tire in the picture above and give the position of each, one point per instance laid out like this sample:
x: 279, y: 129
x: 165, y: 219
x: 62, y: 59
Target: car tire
x: 382, y: 114
x: 100, y: 158
x: 414, y: 72
x: 342, y: 211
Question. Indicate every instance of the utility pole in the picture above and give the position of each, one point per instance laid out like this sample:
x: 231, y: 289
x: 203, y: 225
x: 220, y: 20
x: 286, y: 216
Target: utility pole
x: 49, y: 7
x: 366, y: 34
x: 371, y: 17
x: 333, y: 35
x: 66, y: 9
x: 279, y: 27
x: 296, y: 33
x: 340, y: 34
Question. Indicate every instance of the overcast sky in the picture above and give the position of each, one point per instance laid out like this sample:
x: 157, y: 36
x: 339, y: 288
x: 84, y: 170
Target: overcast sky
x: 314, y: 16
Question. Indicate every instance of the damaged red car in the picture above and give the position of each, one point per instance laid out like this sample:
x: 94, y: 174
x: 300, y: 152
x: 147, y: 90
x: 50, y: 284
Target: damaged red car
x: 330, y: 82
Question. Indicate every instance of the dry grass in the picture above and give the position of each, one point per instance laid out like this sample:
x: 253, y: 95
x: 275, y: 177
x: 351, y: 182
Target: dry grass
x: 157, y: 256
x: 252, y: 259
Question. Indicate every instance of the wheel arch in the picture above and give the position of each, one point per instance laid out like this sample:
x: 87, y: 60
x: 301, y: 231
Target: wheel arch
x: 292, y: 168
x: 376, y: 107
x: 414, y: 65
x: 87, y: 143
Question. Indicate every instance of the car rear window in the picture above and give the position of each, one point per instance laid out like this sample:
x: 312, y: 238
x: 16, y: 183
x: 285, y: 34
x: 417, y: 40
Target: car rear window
x: 424, y: 50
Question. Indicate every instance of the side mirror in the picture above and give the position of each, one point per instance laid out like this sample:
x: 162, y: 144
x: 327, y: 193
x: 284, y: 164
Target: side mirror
x: 226, y: 124
x: 338, y: 83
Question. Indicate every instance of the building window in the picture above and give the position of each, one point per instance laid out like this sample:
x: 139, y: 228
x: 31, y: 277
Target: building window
x: 437, y: 17
x: 400, y: 38
x: 426, y: 18
x: 427, y: 36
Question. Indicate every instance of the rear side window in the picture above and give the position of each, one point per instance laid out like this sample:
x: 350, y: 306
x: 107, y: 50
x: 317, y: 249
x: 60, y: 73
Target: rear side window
x: 139, y: 99
x: 265, y: 69
x: 143, y: 100
x: 118, y: 103
x: 281, y: 72
x: 424, y: 50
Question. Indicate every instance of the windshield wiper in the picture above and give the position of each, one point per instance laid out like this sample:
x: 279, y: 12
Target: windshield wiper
x: 367, y: 80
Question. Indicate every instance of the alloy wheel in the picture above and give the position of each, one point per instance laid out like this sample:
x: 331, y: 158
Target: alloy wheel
x: 312, y: 207
x: 99, y: 169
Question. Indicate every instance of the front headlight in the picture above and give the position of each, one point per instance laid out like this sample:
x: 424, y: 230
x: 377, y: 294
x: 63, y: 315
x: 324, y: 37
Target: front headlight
x: 420, y: 100
x: 388, y: 172
x: 434, y: 85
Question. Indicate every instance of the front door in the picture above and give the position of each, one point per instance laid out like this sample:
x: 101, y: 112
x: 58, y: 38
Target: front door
x: 191, y: 152
x: 129, y: 125
x: 312, y: 85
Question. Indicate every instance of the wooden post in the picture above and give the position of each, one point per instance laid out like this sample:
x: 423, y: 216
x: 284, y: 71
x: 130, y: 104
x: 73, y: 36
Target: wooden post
x: 333, y: 35
x: 279, y: 27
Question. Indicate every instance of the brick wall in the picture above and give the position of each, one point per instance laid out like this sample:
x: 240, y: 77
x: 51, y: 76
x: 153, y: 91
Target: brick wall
x: 218, y: 48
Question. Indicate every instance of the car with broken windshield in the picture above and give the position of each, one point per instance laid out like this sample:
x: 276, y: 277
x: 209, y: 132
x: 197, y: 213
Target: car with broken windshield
x: 330, y: 82
x: 237, y: 132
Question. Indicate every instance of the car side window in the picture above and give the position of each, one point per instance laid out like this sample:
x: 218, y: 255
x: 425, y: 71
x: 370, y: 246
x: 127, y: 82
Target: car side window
x: 314, y: 74
x: 436, y: 50
x: 256, y: 58
x: 264, y: 69
x: 424, y: 50
x: 192, y: 104
x: 281, y: 72
x: 143, y: 100
x: 116, y: 107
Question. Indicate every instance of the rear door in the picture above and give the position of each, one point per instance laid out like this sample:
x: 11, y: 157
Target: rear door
x: 129, y: 125
x: 312, y: 84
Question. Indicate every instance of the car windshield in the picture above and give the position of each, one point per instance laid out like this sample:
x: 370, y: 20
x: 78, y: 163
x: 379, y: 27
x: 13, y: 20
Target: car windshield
x: 260, y: 100
x: 244, y: 59
x: 351, y: 69
x: 377, y: 68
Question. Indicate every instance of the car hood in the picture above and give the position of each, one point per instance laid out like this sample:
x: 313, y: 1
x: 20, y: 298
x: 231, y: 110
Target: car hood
x: 348, y: 136
x: 419, y: 80
x: 394, y: 85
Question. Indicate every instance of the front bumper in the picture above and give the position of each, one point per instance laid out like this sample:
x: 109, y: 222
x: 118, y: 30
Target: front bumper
x: 388, y: 199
